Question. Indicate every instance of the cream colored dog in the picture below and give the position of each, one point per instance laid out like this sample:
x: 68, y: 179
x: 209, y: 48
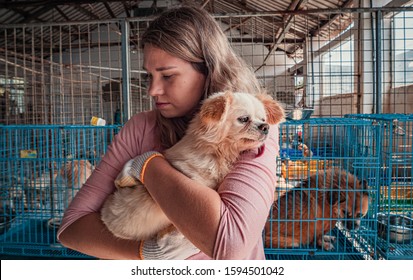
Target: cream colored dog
x: 227, y: 125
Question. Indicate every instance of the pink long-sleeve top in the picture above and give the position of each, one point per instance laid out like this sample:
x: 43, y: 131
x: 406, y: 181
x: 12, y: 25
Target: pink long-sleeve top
x: 246, y: 193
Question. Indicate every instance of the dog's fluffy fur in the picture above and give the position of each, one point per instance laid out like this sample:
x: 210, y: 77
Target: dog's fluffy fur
x: 75, y: 173
x: 304, y: 214
x: 227, y: 124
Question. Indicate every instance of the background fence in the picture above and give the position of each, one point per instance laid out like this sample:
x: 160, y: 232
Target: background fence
x: 359, y: 61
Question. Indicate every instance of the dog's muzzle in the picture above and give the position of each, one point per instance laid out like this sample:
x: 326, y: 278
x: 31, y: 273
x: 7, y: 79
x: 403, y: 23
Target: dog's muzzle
x: 264, y: 128
x: 354, y: 224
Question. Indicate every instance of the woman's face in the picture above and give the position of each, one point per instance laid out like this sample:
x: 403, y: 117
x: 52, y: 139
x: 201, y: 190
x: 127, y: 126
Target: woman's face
x: 174, y: 84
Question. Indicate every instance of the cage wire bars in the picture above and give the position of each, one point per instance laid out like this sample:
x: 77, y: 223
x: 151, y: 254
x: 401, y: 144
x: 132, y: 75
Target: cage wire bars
x: 326, y: 62
x: 357, y: 62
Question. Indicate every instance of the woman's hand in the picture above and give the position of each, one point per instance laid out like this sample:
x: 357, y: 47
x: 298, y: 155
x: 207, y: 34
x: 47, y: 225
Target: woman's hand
x: 134, y: 170
x: 169, y: 244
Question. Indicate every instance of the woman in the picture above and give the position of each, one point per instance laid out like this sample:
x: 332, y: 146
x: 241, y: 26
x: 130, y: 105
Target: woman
x: 187, y: 58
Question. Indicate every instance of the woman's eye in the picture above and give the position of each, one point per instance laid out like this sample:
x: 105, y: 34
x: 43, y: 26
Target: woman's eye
x: 167, y: 77
x: 243, y: 119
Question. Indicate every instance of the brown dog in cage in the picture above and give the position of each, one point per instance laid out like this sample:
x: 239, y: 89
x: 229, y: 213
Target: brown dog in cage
x: 305, y: 214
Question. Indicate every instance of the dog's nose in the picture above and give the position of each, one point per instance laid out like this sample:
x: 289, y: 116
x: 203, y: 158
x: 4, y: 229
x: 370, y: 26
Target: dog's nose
x: 264, y: 128
x: 353, y: 224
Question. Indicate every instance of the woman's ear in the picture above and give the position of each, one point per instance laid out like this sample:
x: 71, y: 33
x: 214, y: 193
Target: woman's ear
x: 275, y: 113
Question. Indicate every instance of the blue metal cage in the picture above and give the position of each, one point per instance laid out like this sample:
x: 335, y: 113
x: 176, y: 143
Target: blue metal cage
x: 35, y: 187
x: 42, y: 167
x: 307, y: 149
x: 395, y: 215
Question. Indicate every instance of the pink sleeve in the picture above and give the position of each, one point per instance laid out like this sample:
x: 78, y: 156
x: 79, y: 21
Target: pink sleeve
x: 247, y: 194
x: 136, y: 137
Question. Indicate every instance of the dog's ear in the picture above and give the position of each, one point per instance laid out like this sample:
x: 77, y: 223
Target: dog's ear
x: 275, y: 113
x: 214, y: 108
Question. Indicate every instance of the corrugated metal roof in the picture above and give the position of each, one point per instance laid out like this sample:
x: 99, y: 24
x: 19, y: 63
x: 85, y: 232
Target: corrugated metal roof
x: 23, y: 11
x: 283, y: 22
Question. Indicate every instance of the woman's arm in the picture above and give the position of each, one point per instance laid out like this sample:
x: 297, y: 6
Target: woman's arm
x: 82, y: 228
x: 193, y: 208
x: 90, y: 236
x: 226, y: 223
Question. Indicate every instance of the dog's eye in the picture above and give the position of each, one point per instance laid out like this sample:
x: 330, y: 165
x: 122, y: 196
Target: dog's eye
x: 243, y: 119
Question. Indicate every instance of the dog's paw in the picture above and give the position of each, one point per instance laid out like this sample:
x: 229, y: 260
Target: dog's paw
x: 329, y: 238
x: 326, y: 242
x: 328, y: 246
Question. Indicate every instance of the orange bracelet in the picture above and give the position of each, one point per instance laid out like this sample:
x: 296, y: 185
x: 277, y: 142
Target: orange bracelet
x: 146, y: 164
x: 140, y: 252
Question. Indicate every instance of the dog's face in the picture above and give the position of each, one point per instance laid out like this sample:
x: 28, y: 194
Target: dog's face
x: 241, y: 118
x: 355, y: 209
x: 354, y: 204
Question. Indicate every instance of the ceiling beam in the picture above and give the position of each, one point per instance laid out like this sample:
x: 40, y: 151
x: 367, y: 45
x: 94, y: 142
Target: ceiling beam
x: 109, y: 9
x: 36, y: 14
x: 204, y: 3
x: 267, y: 19
x: 294, y: 6
x: 86, y: 12
x: 243, y: 21
x: 324, y: 23
x: 36, y: 3
x: 112, y: 14
x: 62, y: 13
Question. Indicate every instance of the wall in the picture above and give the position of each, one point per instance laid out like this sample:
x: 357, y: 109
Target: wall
x: 399, y: 100
x: 337, y: 105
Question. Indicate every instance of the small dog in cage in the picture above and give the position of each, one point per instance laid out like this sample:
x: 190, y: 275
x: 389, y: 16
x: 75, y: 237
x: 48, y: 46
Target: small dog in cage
x: 75, y: 173
x: 37, y: 191
x: 305, y: 214
x: 227, y: 125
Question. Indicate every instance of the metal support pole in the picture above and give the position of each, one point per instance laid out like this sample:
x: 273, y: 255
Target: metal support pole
x: 312, y: 73
x: 378, y: 64
x: 125, y: 71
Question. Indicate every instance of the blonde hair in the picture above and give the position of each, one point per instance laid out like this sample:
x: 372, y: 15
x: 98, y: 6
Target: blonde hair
x: 192, y: 34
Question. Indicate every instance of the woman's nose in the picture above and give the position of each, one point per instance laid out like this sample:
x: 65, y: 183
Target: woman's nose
x: 155, y: 88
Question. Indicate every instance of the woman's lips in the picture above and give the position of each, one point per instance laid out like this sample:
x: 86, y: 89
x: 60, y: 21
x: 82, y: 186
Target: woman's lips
x: 161, y: 105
